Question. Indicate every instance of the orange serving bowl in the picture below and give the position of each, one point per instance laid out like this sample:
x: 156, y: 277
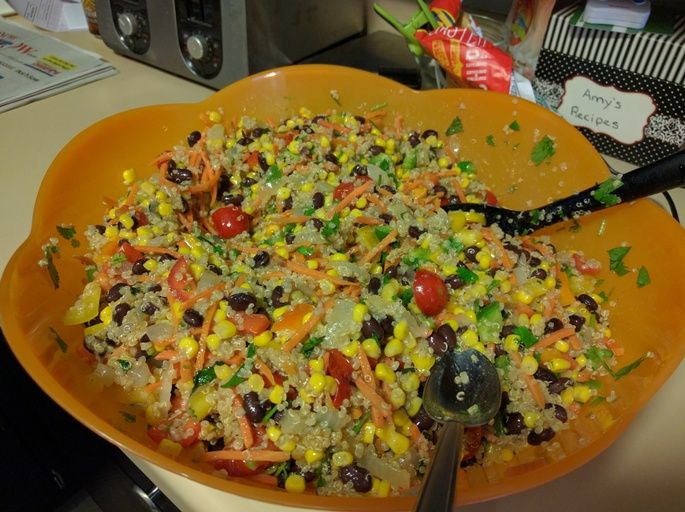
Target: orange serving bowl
x: 647, y: 319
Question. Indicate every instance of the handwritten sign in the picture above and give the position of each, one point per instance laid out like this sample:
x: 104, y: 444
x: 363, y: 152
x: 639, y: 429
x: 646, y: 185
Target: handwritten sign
x: 618, y: 114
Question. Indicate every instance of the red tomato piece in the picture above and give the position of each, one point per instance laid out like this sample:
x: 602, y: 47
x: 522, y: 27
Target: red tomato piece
x: 472, y: 441
x: 132, y: 255
x: 343, y: 392
x: 490, y: 198
x: 342, y: 190
x: 191, y: 431
x: 157, y: 433
x: 430, y: 292
x: 340, y: 368
x: 584, y: 267
x: 239, y: 467
x: 254, y: 323
x: 181, y: 280
x: 252, y: 158
x: 230, y: 221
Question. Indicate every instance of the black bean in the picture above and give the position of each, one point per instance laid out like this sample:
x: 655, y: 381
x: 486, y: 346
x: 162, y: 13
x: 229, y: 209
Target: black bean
x: 233, y: 199
x: 535, y: 438
x: 452, y: 200
x: 389, y: 188
x: 217, y: 444
x: 576, y: 321
x: 149, y: 308
x: 375, y: 150
x: 167, y: 257
x: 259, y: 131
x: 100, y: 229
x: 193, y: 137
x: 507, y: 330
x: 437, y: 343
x: 428, y: 133
x: 193, y: 317
x: 289, y: 238
x: 534, y: 261
x: 330, y: 157
x: 539, y: 274
x: 361, y: 119
x: 387, y: 325
x: 277, y: 416
x: 287, y: 204
x: 448, y: 334
x: 513, y: 423
x: 317, y: 223
x: 213, y: 268
x: 559, y: 385
x: 254, y: 410
x: 588, y: 302
x: 386, y: 217
x: 155, y: 288
x: 544, y: 374
x: 360, y: 170
x: 120, y: 312
x: 392, y: 271
x: 374, y: 285
x: 241, y: 301
x: 307, y: 129
x: 559, y: 412
x: 454, y: 281
x: 553, y: 324
x: 413, y: 139
x: 415, y: 232
x: 359, y: 477
x: 470, y: 253
x: 261, y: 259
x: 509, y: 246
x: 422, y: 421
x: 179, y: 175
x: 439, y: 191
x: 317, y: 200
x: 138, y: 267
x: 277, y: 297
x: 114, y: 292
x: 372, y: 328
x: 248, y: 182
x: 263, y: 164
x: 245, y: 141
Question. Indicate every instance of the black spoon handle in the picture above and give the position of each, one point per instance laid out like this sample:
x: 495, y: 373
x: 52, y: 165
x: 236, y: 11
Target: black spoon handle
x: 651, y: 179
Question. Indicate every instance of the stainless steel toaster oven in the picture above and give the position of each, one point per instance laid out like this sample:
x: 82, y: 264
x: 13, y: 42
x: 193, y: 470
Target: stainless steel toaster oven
x: 216, y: 42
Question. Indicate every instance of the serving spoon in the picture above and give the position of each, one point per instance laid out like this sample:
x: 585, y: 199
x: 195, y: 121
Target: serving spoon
x: 653, y: 178
x: 463, y: 389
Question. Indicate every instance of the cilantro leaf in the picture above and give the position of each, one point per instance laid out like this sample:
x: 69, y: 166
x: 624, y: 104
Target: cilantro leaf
x: 381, y: 232
x: 467, y: 275
x: 409, y: 161
x: 381, y: 160
x: 357, y: 427
x: 406, y: 296
x: 489, y: 322
x: 528, y: 339
x: 616, y: 256
x: 514, y: 125
x: 416, y: 257
x: 597, y: 355
x: 502, y: 362
x: 60, y: 341
x: 271, y: 412
x: 90, y: 272
x: 455, y: 126
x: 215, y: 245
x: 331, y: 227
x: 544, y: 149
x: 128, y: 417
x: 273, y: 174
x: 643, y: 278
x: 490, y: 140
x: 467, y: 167
x: 251, y: 350
x: 453, y: 243
x: 310, y: 345
x: 305, y: 251
x: 124, y: 364
x: 604, y: 193
x: 66, y: 232
x: 205, y: 376
x: 622, y: 372
x: 52, y: 269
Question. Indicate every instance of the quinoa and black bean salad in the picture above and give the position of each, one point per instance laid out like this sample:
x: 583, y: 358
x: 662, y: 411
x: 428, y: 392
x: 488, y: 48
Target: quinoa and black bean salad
x: 276, y: 294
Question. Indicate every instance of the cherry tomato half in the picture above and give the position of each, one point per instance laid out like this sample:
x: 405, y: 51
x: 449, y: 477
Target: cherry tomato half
x: 340, y: 369
x: 132, y: 255
x: 585, y: 267
x: 181, y: 280
x: 230, y: 221
x: 239, y: 467
x: 342, y: 190
x: 430, y: 292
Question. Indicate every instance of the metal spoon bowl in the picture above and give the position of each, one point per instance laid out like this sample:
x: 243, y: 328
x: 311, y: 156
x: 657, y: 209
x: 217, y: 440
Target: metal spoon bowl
x: 463, y: 390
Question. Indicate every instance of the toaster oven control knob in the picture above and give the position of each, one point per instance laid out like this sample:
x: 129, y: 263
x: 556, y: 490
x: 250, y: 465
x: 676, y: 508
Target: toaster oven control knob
x: 128, y: 24
x: 198, y: 47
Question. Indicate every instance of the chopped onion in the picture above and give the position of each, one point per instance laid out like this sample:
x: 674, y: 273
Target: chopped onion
x: 159, y: 331
x: 385, y: 470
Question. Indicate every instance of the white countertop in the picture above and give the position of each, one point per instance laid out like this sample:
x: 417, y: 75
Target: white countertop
x: 643, y: 470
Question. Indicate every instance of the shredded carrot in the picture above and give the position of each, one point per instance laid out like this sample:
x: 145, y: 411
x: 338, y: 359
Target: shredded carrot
x: 186, y: 372
x: 245, y: 425
x: 398, y: 123
x: 207, y: 184
x: 300, y: 334
x: 365, y: 367
x: 207, y: 292
x: 263, y: 478
x: 575, y: 342
x: 333, y: 126
x: 376, y: 417
x: 555, y: 336
x: 317, y: 274
x: 414, y: 433
x: 377, y: 203
x: 389, y: 238
x: 531, y: 383
x: 166, y: 355
x: 247, y: 455
x: 236, y: 358
x: 290, y: 219
x: 504, y: 256
x: 524, y: 308
x: 459, y: 191
x: 264, y: 370
x: 550, y: 306
x: 153, y: 387
x: 615, y: 346
x: 202, y: 342
x: 353, y: 194
x: 132, y: 194
x: 368, y: 221
x: 373, y: 397
x: 147, y: 249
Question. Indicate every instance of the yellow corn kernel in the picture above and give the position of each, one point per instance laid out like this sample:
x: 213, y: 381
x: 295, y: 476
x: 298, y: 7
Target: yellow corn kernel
x: 283, y: 193
x: 214, y: 116
x: 559, y: 364
x: 389, y: 290
x: 188, y: 346
x: 307, y: 187
x: 316, y: 364
x: 126, y: 220
x: 530, y: 418
x: 295, y: 483
x: 359, y: 312
x: 325, y: 143
x: 457, y: 220
x: 371, y: 348
x: 278, y: 312
x: 225, y: 329
x: 398, y: 443
x: 485, y: 261
x: 317, y: 383
x: 400, y: 418
x: 129, y: 176
x: 361, y: 203
x: 327, y: 288
x: 111, y: 232
x: 256, y: 382
x: 423, y: 361
x: 219, y: 315
x: 273, y: 433
x: 400, y: 330
x: 410, y: 381
x: 312, y: 456
x: 213, y: 342
x: 523, y: 296
x: 471, y: 315
x: 197, y: 270
x: 470, y: 337
x: 339, y: 256
x: 384, y: 373
x: 550, y: 282
x: 169, y: 448
x: 341, y: 459
x: 312, y: 264
x: 106, y: 315
x: 567, y: 396
x: 368, y: 432
x: 277, y: 394
x: 529, y: 365
x: 581, y: 360
x: 511, y: 343
x: 582, y: 393
x: 475, y: 217
x: 393, y: 347
x: 282, y: 252
x: 331, y: 385
x: 351, y: 349
x: 398, y: 397
x: 414, y: 406
x: 263, y: 339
